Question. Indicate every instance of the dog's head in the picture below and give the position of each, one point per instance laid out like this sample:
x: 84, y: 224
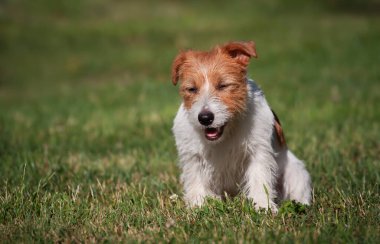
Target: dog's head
x: 213, y: 85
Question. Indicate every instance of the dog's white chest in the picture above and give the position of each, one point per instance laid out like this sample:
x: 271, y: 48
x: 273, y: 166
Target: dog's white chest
x: 224, y: 168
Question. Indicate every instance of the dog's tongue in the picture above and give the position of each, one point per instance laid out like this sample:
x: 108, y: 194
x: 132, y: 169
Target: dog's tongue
x: 211, y: 132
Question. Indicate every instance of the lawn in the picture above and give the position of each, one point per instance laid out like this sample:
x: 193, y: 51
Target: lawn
x: 86, y: 109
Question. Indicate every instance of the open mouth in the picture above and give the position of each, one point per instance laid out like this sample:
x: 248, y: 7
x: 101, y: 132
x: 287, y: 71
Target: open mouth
x: 213, y: 134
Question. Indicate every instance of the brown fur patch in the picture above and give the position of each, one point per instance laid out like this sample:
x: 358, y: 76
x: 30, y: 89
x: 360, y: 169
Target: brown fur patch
x: 278, y: 130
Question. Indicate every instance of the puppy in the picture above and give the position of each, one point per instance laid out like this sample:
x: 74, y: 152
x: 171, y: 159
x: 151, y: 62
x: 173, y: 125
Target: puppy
x: 228, y: 139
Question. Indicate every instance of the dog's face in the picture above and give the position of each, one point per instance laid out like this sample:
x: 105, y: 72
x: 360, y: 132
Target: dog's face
x: 213, y: 85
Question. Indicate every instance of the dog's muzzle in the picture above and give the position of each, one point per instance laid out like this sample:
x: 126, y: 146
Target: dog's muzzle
x: 206, y: 118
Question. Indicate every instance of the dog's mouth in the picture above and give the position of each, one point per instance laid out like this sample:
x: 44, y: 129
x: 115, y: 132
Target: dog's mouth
x: 214, y: 133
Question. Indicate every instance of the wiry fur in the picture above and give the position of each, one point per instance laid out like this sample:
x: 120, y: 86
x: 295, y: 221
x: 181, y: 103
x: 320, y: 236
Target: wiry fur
x: 248, y: 158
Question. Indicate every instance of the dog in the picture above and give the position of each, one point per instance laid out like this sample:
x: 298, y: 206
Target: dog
x: 228, y: 139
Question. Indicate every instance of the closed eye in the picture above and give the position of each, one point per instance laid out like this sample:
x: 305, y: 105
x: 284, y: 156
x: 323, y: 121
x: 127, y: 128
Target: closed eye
x: 223, y: 86
x: 192, y: 89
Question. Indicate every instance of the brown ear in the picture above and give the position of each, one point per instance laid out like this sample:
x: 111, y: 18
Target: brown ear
x: 176, y: 67
x: 241, y: 51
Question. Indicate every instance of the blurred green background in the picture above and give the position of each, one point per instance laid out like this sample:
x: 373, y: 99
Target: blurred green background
x: 69, y: 41
x: 86, y: 107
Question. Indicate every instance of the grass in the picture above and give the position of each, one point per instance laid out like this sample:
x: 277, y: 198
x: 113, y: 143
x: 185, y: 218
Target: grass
x: 86, y: 107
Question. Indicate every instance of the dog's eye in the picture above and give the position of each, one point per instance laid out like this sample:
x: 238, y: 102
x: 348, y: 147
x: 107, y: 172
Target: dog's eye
x: 192, y: 89
x: 222, y: 86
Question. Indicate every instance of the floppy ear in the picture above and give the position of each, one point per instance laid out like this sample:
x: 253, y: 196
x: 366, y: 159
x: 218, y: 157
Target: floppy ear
x: 241, y: 51
x: 176, y: 67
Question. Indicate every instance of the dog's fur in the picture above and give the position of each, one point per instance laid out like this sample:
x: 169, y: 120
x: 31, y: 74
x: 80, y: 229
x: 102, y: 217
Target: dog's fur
x: 243, y: 149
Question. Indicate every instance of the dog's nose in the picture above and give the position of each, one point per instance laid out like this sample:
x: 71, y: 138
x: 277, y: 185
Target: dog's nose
x: 205, y: 117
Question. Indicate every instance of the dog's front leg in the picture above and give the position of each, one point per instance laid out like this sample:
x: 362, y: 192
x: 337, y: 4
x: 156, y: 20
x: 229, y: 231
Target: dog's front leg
x: 260, y: 179
x: 196, y: 184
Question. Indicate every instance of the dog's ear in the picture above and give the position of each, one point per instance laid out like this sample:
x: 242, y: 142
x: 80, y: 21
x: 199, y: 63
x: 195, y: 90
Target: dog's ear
x: 176, y: 66
x: 240, y: 51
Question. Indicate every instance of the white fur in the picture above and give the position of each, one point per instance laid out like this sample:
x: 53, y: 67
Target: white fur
x: 245, y: 159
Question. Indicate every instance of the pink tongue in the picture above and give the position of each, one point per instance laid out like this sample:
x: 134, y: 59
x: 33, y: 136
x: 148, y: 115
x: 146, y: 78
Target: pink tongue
x: 211, y: 132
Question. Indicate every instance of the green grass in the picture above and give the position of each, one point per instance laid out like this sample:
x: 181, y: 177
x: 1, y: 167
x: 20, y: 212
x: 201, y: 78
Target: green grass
x: 86, y: 108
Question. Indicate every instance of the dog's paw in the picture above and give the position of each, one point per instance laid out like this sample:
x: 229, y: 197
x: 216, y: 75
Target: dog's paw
x: 193, y: 201
x: 266, y: 205
x: 199, y: 200
x: 272, y: 208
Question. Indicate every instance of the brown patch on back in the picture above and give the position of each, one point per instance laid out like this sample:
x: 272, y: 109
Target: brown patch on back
x: 278, y: 130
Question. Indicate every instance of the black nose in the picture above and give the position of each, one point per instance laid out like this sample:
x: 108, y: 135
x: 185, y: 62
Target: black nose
x: 205, y: 117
